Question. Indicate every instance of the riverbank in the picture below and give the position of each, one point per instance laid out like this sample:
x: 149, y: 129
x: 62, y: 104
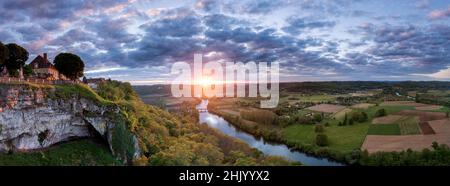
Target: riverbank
x: 267, y: 147
x: 270, y: 134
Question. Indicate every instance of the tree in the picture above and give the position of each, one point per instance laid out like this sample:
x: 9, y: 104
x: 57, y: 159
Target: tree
x: 319, y: 128
x: 345, y: 120
x: 16, y: 58
x: 69, y: 65
x: 317, y: 117
x: 321, y: 140
x: 447, y: 114
x: 4, y: 54
x: 27, y: 70
x: 380, y: 113
x: 350, y: 121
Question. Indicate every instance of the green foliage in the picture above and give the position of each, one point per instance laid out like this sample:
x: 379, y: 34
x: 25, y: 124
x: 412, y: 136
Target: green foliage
x: 183, y: 152
x: 116, y: 91
x: 345, y: 120
x: 237, y: 158
x: 260, y: 116
x: 321, y: 140
x: 67, y: 91
x: 358, y: 116
x: 27, y: 70
x: 319, y: 128
x: 380, y: 113
x: 70, y: 65
x: 122, y: 139
x: 13, y: 72
x: 350, y: 121
x: 317, y: 117
x: 384, y: 129
x: 167, y: 139
x: 17, y: 57
x: 439, y: 155
x: 75, y: 153
x: 4, y: 54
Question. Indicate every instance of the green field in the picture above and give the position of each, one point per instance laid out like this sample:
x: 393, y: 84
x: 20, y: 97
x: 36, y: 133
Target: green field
x: 342, y: 138
x: 350, y: 137
x: 75, y: 153
x: 409, y: 126
x: 384, y: 129
x: 299, y: 134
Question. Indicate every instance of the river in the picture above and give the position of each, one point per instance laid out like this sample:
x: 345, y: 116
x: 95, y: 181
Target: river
x: 267, y: 148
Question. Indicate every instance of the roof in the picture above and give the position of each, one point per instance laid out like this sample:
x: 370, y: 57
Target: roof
x: 41, y: 63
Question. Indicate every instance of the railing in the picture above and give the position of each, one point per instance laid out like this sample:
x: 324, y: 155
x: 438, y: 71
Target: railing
x: 35, y: 80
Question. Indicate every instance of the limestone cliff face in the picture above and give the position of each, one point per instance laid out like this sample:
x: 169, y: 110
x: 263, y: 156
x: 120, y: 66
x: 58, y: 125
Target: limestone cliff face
x: 30, y: 120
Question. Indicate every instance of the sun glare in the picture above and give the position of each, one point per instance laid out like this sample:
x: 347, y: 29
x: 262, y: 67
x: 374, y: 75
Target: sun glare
x: 205, y: 82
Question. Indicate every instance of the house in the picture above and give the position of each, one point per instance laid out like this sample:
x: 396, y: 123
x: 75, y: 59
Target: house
x: 43, y: 69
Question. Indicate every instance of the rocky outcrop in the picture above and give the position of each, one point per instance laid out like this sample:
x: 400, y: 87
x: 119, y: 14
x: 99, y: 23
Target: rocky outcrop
x: 30, y: 120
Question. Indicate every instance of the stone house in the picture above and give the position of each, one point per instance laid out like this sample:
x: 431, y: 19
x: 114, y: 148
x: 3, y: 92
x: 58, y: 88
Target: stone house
x: 43, y: 69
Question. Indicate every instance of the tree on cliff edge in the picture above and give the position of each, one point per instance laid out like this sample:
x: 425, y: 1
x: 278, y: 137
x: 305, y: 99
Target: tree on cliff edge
x: 3, y: 55
x: 16, y: 58
x: 70, y: 65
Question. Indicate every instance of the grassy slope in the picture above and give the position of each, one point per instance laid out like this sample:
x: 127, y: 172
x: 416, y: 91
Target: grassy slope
x: 81, y: 152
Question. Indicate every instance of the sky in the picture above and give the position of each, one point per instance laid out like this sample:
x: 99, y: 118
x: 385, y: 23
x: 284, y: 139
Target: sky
x: 313, y: 40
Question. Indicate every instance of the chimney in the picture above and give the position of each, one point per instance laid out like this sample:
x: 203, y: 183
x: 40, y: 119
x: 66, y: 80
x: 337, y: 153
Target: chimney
x: 45, y: 56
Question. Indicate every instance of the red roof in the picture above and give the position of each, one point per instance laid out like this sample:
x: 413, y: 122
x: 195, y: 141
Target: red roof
x: 41, y: 62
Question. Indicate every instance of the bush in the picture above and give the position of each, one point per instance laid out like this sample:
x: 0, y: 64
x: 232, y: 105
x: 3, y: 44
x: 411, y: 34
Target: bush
x: 380, y: 113
x: 359, y: 117
x: 321, y: 140
x: 345, y: 120
x: 317, y: 117
x: 319, y: 128
x: 350, y: 121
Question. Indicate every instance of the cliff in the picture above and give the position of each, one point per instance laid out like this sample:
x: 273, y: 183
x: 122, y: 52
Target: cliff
x: 36, y: 117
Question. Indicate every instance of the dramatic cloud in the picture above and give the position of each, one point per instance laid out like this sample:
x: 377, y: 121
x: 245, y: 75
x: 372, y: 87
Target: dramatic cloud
x: 138, y: 41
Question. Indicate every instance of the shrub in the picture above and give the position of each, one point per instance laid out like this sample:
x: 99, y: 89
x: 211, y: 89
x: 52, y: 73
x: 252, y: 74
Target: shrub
x: 321, y: 140
x: 317, y: 117
x: 359, y: 117
x: 319, y: 128
x: 345, y: 120
x: 380, y: 113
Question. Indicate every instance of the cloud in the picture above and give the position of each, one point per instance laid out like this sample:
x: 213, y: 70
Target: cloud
x: 305, y: 36
x: 405, y: 49
x: 441, y: 74
x: 439, y: 14
x: 298, y: 24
